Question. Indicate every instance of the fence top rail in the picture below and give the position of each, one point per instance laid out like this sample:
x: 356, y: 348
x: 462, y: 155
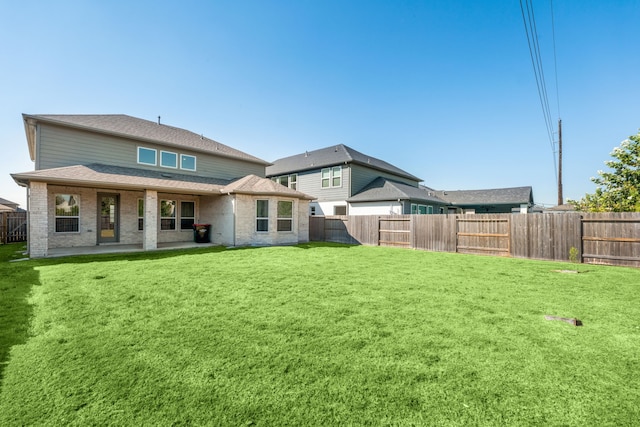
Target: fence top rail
x: 483, y: 219
x: 610, y: 219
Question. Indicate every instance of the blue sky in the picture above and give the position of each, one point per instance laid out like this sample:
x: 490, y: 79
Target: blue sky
x: 442, y: 89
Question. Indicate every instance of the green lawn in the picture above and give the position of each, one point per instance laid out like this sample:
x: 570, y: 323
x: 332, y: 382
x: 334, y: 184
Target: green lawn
x: 316, y: 334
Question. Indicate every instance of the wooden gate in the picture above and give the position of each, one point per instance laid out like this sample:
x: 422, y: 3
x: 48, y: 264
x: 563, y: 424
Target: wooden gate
x: 486, y: 234
x: 394, y: 231
x: 13, y: 227
x: 611, y: 239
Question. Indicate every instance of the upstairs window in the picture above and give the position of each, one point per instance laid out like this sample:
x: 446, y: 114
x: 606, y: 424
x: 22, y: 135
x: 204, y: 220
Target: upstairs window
x: 147, y: 156
x: 331, y: 177
x: 285, y: 215
x: 187, y: 162
x: 293, y: 181
x: 168, y: 159
x: 262, y: 215
x: 290, y: 181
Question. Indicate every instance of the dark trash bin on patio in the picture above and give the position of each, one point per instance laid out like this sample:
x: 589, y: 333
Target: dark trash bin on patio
x: 201, y: 233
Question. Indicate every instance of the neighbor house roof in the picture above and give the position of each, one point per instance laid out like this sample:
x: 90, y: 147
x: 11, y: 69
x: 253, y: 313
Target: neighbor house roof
x: 134, y: 128
x: 382, y: 189
x: 7, y: 202
x: 105, y: 176
x: 330, y: 156
x: 5, y: 208
x: 252, y: 184
x: 495, y: 196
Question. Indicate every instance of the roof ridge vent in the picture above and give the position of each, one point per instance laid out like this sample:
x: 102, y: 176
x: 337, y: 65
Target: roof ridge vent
x: 158, y: 119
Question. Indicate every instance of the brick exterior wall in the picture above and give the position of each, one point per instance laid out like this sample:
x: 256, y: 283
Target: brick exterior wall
x: 38, y: 238
x: 246, y: 233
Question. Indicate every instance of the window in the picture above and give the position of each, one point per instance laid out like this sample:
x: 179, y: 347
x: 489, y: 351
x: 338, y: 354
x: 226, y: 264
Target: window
x: 290, y: 181
x: 262, y: 215
x: 331, y: 177
x: 284, y: 180
x: 168, y: 159
x: 67, y: 213
x: 312, y: 210
x: 340, y: 210
x: 187, y: 162
x: 430, y: 209
x: 140, y: 214
x: 414, y: 209
x: 326, y: 178
x: 293, y: 181
x: 167, y: 215
x: 422, y: 209
x: 336, y: 174
x: 285, y: 215
x: 187, y: 215
x: 147, y: 156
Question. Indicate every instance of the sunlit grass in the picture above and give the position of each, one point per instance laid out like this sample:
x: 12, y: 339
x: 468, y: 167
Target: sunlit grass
x: 321, y: 334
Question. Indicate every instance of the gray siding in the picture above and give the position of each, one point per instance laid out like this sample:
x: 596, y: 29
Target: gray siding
x: 59, y: 147
x: 361, y: 176
x: 309, y: 182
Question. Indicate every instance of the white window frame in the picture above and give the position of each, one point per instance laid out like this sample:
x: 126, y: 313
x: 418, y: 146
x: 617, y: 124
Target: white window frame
x: 195, y: 160
x: 162, y: 153
x: 155, y: 156
x: 182, y: 217
x: 293, y: 181
x: 76, y: 198
x: 333, y: 173
x: 262, y: 218
x: 281, y: 220
x: 140, y: 217
x: 174, y: 217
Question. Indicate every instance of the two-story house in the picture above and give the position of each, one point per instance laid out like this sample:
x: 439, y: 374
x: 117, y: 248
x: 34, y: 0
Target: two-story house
x: 347, y: 182
x: 121, y: 180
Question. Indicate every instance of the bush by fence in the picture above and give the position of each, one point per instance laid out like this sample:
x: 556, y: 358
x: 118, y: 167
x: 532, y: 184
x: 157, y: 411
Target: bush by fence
x: 13, y: 227
x: 602, y: 238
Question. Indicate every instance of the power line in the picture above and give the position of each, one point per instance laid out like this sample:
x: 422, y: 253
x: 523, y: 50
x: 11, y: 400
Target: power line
x: 531, y: 31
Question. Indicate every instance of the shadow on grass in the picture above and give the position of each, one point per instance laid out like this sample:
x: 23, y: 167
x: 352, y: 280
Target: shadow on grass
x: 16, y: 281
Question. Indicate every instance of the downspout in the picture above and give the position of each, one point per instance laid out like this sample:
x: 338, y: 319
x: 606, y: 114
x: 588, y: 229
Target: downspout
x: 233, y: 210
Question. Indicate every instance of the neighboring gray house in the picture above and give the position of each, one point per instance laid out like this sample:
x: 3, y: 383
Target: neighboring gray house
x: 121, y: 180
x: 497, y: 200
x: 345, y: 181
x: 8, y: 205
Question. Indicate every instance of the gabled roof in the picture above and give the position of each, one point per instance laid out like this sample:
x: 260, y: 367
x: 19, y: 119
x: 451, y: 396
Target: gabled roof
x: 332, y: 156
x: 495, y: 196
x: 382, y: 189
x: 106, y: 176
x: 252, y: 184
x: 139, y: 129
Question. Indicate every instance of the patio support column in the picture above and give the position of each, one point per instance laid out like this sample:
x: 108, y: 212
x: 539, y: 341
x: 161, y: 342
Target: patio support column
x: 38, y: 220
x: 150, y: 232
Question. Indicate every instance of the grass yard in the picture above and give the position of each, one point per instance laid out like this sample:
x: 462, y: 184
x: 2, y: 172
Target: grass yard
x: 317, y: 334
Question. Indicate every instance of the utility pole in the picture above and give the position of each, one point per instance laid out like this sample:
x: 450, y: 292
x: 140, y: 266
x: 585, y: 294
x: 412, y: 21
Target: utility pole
x: 560, y: 196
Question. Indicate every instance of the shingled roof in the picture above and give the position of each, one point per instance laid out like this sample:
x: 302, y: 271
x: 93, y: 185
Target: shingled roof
x: 331, y: 156
x: 106, y: 176
x: 382, y: 189
x: 142, y: 130
x: 495, y: 196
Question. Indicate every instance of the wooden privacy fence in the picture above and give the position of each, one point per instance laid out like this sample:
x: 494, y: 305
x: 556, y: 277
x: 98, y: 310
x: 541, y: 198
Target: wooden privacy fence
x: 13, y: 227
x: 596, y: 238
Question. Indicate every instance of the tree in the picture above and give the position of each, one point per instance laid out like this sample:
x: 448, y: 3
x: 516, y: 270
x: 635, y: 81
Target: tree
x: 618, y: 190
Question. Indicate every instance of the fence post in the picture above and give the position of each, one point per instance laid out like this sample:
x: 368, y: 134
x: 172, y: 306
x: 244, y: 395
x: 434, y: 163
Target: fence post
x: 4, y: 229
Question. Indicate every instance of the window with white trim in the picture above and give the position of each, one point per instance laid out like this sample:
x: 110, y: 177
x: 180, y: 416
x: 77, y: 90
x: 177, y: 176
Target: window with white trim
x: 167, y: 215
x: 331, y: 177
x: 168, y: 159
x: 147, y: 156
x: 140, y: 214
x: 67, y: 217
x: 262, y: 215
x: 430, y: 210
x: 285, y: 215
x: 187, y: 162
x: 187, y: 215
